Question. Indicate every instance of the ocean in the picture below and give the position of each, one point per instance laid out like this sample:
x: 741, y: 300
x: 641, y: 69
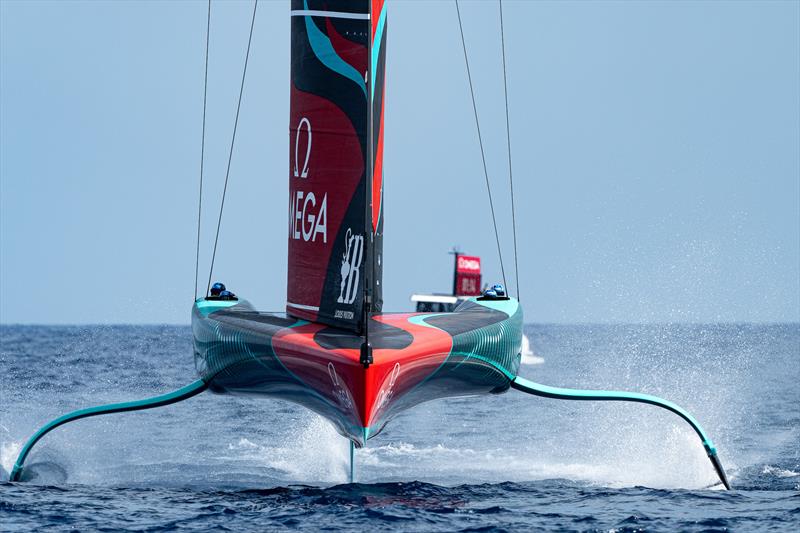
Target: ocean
x: 508, y: 462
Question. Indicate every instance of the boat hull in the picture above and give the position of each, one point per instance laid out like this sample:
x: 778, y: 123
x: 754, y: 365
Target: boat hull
x: 417, y: 357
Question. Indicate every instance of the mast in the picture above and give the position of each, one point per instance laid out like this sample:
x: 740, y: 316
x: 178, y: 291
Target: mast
x: 365, y: 354
x: 369, y: 234
x: 373, y: 292
x: 455, y: 253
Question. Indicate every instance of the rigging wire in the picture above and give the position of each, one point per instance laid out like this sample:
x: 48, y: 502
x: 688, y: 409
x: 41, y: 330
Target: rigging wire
x: 480, y: 141
x: 202, y: 156
x: 233, y: 140
x: 508, y: 143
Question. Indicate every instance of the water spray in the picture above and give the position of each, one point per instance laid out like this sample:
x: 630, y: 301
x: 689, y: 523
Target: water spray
x: 157, y: 401
x: 545, y: 391
x: 517, y: 382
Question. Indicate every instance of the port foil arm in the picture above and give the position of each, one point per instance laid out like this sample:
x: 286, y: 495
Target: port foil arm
x: 165, y: 399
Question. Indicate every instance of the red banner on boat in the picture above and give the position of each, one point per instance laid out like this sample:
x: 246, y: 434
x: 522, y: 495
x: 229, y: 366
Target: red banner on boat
x: 468, y: 275
x: 331, y: 236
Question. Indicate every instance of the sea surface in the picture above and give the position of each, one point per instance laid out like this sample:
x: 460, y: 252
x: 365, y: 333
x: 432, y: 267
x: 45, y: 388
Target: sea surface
x: 507, y: 462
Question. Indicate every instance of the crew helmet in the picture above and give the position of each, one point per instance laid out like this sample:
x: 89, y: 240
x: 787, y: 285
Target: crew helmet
x: 217, y: 288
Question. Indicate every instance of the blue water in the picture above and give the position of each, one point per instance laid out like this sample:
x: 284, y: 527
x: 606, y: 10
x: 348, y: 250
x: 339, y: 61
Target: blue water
x: 510, y: 462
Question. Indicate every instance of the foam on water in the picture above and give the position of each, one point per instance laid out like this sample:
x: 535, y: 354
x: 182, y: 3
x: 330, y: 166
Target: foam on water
x: 780, y: 472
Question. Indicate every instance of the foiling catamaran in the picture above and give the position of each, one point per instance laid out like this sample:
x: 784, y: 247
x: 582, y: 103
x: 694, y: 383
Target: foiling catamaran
x: 334, y: 350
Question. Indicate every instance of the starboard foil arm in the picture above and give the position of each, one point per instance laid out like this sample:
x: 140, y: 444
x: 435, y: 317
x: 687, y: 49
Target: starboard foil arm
x: 545, y: 391
x: 157, y: 401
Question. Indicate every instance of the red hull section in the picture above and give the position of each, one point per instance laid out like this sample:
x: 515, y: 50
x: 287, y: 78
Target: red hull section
x: 369, y: 389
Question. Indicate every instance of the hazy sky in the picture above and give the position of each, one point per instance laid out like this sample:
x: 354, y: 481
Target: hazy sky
x: 655, y: 149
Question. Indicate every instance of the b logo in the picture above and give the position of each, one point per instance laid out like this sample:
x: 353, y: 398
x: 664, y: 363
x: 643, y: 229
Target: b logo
x: 351, y: 262
x: 304, y: 172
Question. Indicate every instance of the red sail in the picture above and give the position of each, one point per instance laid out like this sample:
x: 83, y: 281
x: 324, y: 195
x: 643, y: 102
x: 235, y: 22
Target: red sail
x: 468, y: 275
x: 333, y: 252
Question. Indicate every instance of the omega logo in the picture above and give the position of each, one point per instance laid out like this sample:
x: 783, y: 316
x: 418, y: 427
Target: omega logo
x: 304, y: 172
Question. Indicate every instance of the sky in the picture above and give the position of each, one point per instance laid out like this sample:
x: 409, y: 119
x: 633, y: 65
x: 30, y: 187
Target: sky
x: 655, y: 149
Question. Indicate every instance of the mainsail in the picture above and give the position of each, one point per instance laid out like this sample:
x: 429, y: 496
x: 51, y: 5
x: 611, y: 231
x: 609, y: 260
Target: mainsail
x: 467, y: 275
x: 338, y: 53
